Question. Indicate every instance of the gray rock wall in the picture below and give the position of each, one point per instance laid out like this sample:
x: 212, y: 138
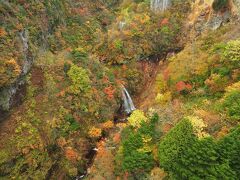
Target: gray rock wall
x: 10, y: 94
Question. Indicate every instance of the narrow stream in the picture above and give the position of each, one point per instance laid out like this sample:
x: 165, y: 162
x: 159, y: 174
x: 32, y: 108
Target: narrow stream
x: 128, y: 108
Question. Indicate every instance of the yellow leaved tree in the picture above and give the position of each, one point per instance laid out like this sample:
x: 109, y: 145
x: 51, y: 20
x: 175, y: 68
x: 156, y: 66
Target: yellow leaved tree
x: 136, y: 118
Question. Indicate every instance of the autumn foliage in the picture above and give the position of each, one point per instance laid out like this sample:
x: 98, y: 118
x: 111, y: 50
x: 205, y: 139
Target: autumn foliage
x: 107, y: 125
x: 71, y: 154
x: 182, y: 86
x: 109, y: 91
x: 9, y: 72
x: 95, y: 132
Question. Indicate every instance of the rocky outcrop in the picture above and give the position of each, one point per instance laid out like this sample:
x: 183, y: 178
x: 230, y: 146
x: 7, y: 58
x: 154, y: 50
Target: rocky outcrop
x: 160, y: 5
x: 13, y: 93
x: 203, y: 18
x: 217, y: 20
x: 235, y: 6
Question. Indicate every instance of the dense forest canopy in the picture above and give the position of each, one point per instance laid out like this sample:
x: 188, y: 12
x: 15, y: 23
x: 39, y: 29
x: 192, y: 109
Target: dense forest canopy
x: 110, y: 89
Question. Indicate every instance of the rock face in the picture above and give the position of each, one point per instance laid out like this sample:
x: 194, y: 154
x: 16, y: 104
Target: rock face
x: 10, y: 95
x: 217, y: 20
x: 160, y: 5
x: 203, y: 17
x: 236, y: 6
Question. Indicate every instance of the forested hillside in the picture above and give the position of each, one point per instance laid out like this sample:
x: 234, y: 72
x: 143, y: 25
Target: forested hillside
x: 110, y: 89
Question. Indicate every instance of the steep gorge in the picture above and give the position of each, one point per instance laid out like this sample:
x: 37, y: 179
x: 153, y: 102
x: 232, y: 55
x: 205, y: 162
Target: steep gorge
x: 84, y: 52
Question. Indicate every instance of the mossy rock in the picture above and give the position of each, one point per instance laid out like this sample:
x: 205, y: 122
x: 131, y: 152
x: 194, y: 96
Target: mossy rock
x: 220, y: 4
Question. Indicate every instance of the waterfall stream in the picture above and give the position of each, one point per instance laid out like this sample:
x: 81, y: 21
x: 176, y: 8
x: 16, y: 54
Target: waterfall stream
x: 121, y: 25
x: 26, y: 52
x: 160, y: 5
x: 127, y: 101
x: 128, y: 107
x: 24, y: 37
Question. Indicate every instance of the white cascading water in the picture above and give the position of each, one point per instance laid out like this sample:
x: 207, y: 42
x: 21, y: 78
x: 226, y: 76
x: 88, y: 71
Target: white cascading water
x: 127, y: 101
x: 24, y: 37
x: 122, y: 24
x: 160, y: 5
x: 25, y: 41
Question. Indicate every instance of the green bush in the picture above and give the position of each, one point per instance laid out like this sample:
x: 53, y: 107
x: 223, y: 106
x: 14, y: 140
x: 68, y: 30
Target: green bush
x: 148, y: 128
x: 137, y: 154
x: 138, y: 162
x: 232, y: 51
x: 74, y: 125
x: 219, y: 4
x: 185, y: 156
x: 231, y: 104
x: 79, y: 54
x: 132, y: 143
x: 202, y: 161
x: 174, y: 144
x: 118, y: 44
x: 135, y: 160
x: 80, y: 80
x: 223, y: 71
x: 137, y: 118
x: 229, y: 148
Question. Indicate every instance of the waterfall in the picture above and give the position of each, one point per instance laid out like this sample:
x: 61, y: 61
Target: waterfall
x: 127, y: 101
x: 160, y: 5
x: 24, y: 37
x: 122, y: 24
x: 26, y: 52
